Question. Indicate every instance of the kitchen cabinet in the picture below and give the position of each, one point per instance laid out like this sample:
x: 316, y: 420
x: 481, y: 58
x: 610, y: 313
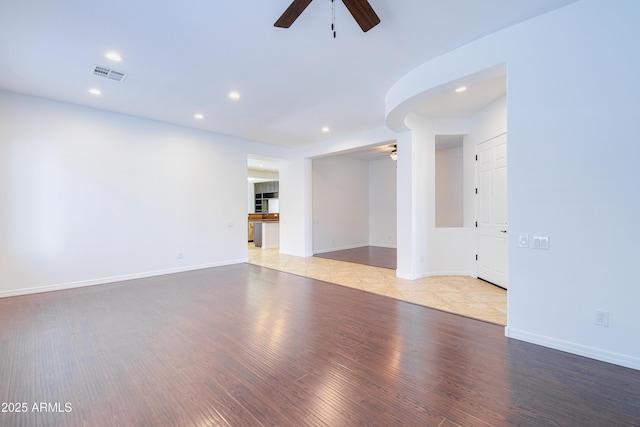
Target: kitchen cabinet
x: 266, y: 187
x: 259, y: 203
x: 265, y: 191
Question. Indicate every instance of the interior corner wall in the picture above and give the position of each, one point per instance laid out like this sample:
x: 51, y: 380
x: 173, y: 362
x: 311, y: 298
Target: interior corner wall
x: 382, y: 203
x: 88, y: 197
x: 340, y: 203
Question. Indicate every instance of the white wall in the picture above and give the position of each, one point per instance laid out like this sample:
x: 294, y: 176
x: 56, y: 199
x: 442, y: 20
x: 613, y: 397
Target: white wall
x: 382, y: 203
x: 296, y: 223
x: 573, y: 176
x: 449, y: 187
x: 572, y: 118
x: 435, y: 251
x: 415, y: 195
x: 453, y: 249
x: 340, y: 203
x: 251, y: 197
x: 88, y: 196
x: 296, y: 194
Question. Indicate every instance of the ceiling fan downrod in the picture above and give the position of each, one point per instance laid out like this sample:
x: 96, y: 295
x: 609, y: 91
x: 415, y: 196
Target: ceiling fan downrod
x: 333, y: 17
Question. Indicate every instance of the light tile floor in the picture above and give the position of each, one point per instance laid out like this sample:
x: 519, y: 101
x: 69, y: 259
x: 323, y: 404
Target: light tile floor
x: 456, y: 294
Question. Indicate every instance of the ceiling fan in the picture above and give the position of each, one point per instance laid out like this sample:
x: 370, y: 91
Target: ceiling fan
x: 361, y: 11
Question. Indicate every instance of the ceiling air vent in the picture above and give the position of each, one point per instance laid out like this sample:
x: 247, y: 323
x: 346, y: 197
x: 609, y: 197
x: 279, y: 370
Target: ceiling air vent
x: 109, y: 73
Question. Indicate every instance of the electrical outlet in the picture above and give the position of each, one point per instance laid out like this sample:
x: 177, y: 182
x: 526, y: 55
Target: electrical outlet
x: 179, y: 255
x: 602, y: 318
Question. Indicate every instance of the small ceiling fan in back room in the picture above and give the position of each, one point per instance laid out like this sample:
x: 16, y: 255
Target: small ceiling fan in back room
x: 361, y: 11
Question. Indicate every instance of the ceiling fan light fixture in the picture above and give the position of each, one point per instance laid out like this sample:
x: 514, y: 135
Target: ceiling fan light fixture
x: 361, y: 11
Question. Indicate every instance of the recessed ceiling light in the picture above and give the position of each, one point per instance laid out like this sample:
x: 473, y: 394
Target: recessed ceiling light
x: 198, y: 116
x: 114, y: 56
x: 94, y: 91
x: 234, y: 95
x: 325, y: 129
x: 461, y: 89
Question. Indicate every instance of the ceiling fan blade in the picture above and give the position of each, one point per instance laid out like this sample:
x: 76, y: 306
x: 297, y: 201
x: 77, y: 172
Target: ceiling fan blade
x: 363, y: 13
x: 291, y: 14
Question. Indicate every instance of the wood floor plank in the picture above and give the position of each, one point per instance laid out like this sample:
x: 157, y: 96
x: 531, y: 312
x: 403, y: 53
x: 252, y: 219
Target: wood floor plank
x: 374, y: 256
x: 247, y: 346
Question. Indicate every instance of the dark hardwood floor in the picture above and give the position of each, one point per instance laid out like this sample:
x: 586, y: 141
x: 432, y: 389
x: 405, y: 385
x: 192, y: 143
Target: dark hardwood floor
x: 368, y: 255
x: 244, y: 345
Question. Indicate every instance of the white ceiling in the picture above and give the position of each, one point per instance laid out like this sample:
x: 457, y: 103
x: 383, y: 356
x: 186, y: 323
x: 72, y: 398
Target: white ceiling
x: 466, y: 103
x: 262, y: 164
x: 183, y: 57
x: 383, y: 150
x: 371, y: 153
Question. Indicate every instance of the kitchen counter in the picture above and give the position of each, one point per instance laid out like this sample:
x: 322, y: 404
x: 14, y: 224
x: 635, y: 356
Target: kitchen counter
x: 255, y: 221
x: 264, y: 217
x: 266, y: 234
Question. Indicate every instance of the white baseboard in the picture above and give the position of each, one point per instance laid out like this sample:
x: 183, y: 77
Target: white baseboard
x: 383, y: 245
x: 105, y: 280
x: 408, y: 276
x: 574, y: 348
x: 433, y: 274
x: 299, y: 255
x: 450, y: 273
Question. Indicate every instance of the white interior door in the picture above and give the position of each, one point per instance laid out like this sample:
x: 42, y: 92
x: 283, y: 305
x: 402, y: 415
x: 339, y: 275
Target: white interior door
x: 492, y: 210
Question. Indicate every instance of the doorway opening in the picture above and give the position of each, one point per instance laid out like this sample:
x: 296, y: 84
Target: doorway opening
x: 263, y: 203
x: 354, y: 206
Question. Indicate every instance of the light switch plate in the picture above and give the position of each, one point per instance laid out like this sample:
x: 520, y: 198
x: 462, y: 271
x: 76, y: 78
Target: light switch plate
x: 541, y: 242
x: 523, y: 241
